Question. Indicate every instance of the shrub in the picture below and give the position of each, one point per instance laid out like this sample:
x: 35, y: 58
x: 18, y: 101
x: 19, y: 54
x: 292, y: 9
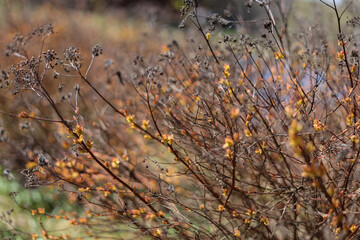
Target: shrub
x: 239, y: 138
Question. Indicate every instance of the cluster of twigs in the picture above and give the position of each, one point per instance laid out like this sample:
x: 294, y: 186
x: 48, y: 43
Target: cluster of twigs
x: 243, y: 138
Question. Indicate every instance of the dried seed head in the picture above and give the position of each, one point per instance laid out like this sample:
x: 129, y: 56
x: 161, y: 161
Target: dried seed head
x: 49, y: 56
x: 15, y: 47
x: 42, y: 160
x: 45, y: 30
x: 97, y: 50
x: 73, y: 56
x: 268, y: 26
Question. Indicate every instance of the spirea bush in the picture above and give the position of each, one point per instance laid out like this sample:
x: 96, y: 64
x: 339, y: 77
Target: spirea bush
x: 224, y: 137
